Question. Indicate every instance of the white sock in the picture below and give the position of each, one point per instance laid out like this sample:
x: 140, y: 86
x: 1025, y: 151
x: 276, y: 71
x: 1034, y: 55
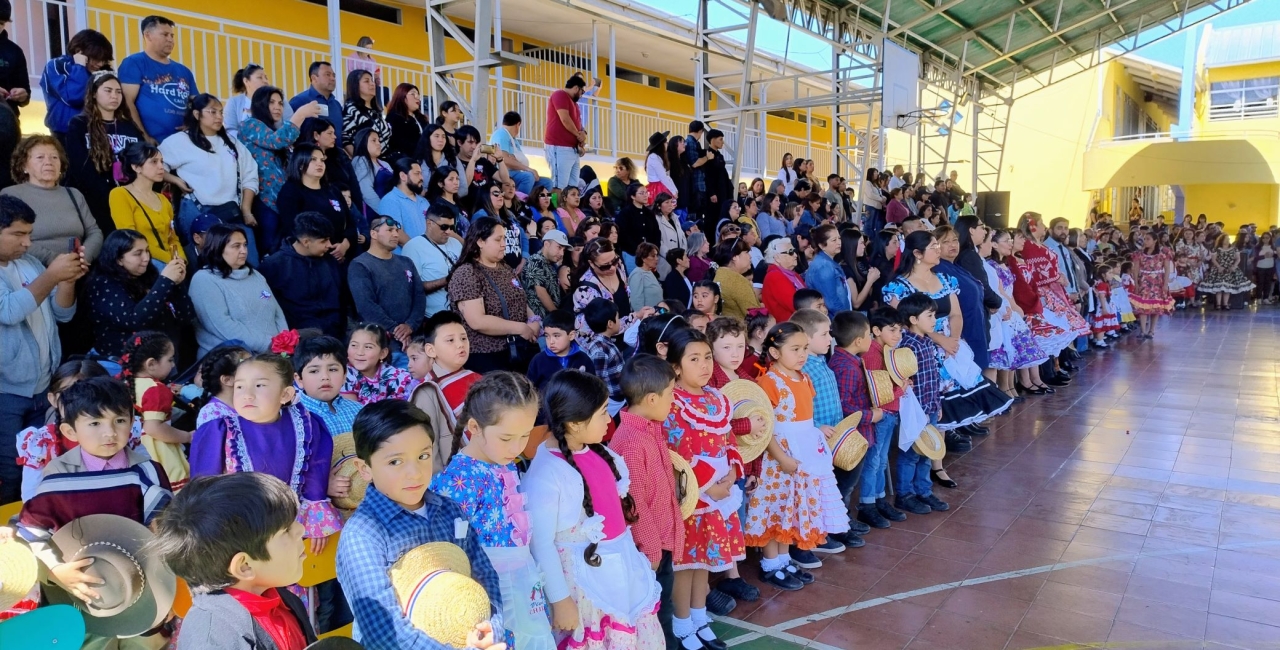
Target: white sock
x: 684, y: 630
x: 773, y: 564
x: 698, y: 616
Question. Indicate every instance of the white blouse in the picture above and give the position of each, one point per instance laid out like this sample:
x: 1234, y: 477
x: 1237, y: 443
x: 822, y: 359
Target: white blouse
x: 215, y: 176
x: 657, y: 173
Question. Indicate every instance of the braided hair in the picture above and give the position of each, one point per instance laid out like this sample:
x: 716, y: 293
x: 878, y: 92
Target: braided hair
x: 573, y: 396
x: 776, y: 338
x: 220, y: 362
x: 140, y: 348
x: 491, y: 398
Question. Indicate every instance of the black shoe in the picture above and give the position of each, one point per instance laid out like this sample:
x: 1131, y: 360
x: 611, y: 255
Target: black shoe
x: 944, y: 482
x: 805, y: 559
x: 912, y: 504
x: 1056, y: 381
x: 800, y: 574
x: 888, y: 511
x: 1064, y: 376
x: 1034, y: 390
x: 977, y: 430
x: 710, y: 644
x: 957, y: 443
x: 934, y: 503
x: 739, y: 589
x: 782, y: 580
x: 858, y: 528
x: 870, y: 515
x: 829, y: 547
x: 720, y: 603
x: 1046, y: 390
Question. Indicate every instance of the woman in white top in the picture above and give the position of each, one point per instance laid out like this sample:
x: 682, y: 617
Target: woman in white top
x: 239, y: 108
x: 787, y: 175
x: 218, y: 175
x: 656, y: 168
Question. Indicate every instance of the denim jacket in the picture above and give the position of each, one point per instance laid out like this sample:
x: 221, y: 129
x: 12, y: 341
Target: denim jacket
x: 825, y: 276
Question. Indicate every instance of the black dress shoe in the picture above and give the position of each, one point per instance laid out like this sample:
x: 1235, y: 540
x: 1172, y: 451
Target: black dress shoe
x: 1056, y: 381
x: 1033, y: 390
x: 720, y: 603
x: 944, y: 482
x: 891, y: 513
x: 870, y: 515
x: 1046, y: 390
x: 976, y: 430
x: 710, y: 644
x: 958, y: 443
x: 912, y: 504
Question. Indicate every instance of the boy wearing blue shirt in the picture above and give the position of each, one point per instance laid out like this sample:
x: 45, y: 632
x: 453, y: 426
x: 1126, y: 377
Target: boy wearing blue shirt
x: 320, y: 368
x: 562, y: 350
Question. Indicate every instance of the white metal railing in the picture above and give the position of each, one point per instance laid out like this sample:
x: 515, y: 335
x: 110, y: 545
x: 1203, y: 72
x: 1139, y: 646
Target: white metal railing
x: 1251, y: 134
x: 1244, y: 100
x: 1244, y: 110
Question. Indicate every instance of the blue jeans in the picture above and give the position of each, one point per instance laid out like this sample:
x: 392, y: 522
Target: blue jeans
x: 913, y: 471
x: 188, y: 210
x: 16, y: 413
x: 564, y: 166
x: 525, y: 183
x: 847, y: 480
x: 877, y: 460
x: 269, y: 227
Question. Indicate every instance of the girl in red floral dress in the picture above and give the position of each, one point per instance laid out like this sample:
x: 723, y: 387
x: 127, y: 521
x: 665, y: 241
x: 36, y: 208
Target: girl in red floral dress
x: 699, y: 430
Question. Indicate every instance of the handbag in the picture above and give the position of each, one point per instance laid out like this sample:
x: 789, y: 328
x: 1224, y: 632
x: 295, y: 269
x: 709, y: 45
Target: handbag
x: 517, y: 347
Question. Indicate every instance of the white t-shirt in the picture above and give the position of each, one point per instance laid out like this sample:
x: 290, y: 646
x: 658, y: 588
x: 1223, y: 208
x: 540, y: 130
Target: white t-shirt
x: 433, y: 263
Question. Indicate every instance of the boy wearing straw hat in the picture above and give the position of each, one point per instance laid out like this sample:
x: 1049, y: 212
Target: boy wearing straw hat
x: 236, y: 542
x: 915, y: 486
x: 852, y: 333
x: 886, y: 332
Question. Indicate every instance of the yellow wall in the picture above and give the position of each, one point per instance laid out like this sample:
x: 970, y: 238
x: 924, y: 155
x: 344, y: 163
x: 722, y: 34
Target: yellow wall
x: 1235, y: 205
x: 1235, y: 73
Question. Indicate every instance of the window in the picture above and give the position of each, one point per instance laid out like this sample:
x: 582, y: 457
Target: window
x: 679, y: 87
x: 1244, y: 99
x: 366, y: 8
x: 800, y: 117
x: 638, y: 77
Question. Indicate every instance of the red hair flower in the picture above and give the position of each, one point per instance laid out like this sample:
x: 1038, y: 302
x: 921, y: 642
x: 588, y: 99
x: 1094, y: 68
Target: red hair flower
x: 284, y: 342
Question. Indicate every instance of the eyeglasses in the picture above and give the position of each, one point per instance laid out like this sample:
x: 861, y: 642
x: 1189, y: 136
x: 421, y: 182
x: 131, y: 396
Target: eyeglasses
x: 379, y: 222
x: 543, y: 195
x: 446, y: 227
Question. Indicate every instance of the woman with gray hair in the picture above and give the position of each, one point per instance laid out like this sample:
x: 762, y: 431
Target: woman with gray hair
x: 699, y: 265
x: 781, y: 281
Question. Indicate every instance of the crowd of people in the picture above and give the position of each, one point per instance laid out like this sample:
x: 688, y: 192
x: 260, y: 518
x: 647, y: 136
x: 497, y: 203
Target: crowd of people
x: 260, y: 321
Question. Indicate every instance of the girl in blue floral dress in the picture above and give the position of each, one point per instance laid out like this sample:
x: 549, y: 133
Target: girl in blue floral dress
x: 482, y: 479
x: 370, y: 377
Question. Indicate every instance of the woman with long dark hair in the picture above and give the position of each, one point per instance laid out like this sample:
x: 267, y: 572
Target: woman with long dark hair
x: 338, y: 170
x: 493, y: 306
x: 489, y: 203
x: 239, y: 107
x: 373, y: 172
x: 657, y: 169
x: 434, y: 150
x: 230, y: 299
x: 442, y: 191
x: 267, y: 136
x: 94, y: 140
x: 598, y: 275
x: 407, y: 121
x: 861, y: 275
x: 679, y: 171
x: 362, y: 110
x: 450, y: 117
x: 137, y: 206
x: 308, y: 191
x: 126, y: 293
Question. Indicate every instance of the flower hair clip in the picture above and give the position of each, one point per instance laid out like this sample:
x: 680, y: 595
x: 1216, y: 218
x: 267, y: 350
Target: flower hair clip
x: 284, y: 342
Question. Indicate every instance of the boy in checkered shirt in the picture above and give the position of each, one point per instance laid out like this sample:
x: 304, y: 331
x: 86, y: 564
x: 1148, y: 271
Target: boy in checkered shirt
x: 915, y: 485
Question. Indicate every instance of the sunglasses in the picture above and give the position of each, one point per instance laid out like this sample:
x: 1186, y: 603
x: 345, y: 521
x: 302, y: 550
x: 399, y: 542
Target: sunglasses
x: 379, y: 222
x: 446, y: 227
x: 611, y: 263
x: 787, y: 252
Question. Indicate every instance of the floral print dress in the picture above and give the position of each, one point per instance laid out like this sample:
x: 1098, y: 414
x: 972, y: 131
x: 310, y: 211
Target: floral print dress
x: 390, y: 383
x: 1150, y: 295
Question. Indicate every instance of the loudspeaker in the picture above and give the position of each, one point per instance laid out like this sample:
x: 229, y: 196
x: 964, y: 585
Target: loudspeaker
x: 993, y: 207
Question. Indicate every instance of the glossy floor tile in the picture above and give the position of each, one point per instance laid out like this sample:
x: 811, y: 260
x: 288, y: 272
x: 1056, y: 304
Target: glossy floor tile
x: 1137, y: 508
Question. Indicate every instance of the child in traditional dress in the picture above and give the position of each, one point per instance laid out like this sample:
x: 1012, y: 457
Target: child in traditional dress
x: 602, y: 589
x: 147, y: 362
x: 482, y: 479
x: 759, y: 322
x: 787, y: 508
x: 218, y: 378
x: 699, y: 430
x: 1120, y: 289
x: 1105, y: 322
x: 370, y: 376
x: 445, y: 348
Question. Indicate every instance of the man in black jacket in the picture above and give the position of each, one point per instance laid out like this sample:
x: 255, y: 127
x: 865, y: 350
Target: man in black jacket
x: 305, y: 279
x: 637, y: 222
x: 15, y: 85
x: 720, y: 188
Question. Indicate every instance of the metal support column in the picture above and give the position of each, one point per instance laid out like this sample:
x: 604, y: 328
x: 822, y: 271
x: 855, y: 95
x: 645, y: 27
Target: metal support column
x: 335, y: 43
x: 481, y: 56
x: 499, y: 104
x: 613, y: 91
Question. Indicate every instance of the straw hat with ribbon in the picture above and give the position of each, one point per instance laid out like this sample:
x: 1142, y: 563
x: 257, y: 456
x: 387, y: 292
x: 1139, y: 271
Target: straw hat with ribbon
x: 437, y: 594
x: 746, y: 398
x: 344, y: 452
x: 138, y: 587
x: 930, y: 444
x: 880, y: 385
x: 18, y: 573
x: 686, y: 484
x: 847, y: 445
x: 901, y: 364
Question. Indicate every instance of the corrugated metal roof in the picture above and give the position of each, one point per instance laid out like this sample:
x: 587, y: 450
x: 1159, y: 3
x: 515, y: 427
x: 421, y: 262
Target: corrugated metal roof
x: 1243, y: 44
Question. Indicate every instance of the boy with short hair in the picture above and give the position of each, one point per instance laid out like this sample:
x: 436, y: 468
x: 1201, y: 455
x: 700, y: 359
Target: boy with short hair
x: 648, y: 383
x: 826, y: 414
x: 97, y: 415
x: 439, y: 353
x: 562, y: 350
x: 601, y: 317
x: 236, y: 542
x: 852, y: 333
x: 809, y: 299
x: 395, y: 453
x: 915, y: 485
x: 320, y: 368
x: 886, y: 332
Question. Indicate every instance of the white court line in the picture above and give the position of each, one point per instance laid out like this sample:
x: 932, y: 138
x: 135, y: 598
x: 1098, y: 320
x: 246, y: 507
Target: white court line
x: 779, y: 631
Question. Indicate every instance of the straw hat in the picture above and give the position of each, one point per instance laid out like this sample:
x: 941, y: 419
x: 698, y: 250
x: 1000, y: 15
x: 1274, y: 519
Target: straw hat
x: 901, y: 364
x: 53, y: 627
x: 437, y: 594
x: 930, y: 444
x: 344, y: 451
x: 847, y: 445
x: 17, y: 573
x: 138, y: 588
x: 880, y: 386
x: 686, y: 484
x: 745, y: 399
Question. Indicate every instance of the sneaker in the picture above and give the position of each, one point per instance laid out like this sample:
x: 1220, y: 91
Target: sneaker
x: 829, y: 547
x: 720, y: 603
x: 870, y: 515
x: 803, y: 576
x: 912, y: 504
x: 709, y: 640
x: 782, y: 580
x: 858, y: 528
x: 934, y: 503
x: 888, y: 511
x: 805, y: 559
x: 739, y: 589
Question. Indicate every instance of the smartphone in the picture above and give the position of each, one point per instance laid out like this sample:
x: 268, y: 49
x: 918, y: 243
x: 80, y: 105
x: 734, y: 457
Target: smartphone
x: 487, y: 150
x: 324, y: 110
x: 73, y: 244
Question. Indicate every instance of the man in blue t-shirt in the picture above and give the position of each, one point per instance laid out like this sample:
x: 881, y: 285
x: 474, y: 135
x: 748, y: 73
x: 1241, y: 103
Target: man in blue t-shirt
x: 156, y: 87
x: 323, y: 82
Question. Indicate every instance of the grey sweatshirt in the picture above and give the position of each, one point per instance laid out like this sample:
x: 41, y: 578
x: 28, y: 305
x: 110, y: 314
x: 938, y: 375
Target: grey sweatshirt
x: 240, y: 306
x: 60, y: 213
x: 387, y: 292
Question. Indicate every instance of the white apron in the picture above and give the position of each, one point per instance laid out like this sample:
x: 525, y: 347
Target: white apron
x: 624, y: 585
x: 807, y: 445
x: 911, y: 419
x: 524, y: 606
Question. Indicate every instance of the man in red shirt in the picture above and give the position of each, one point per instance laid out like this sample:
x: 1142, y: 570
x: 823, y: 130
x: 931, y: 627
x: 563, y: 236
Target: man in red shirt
x: 564, y: 133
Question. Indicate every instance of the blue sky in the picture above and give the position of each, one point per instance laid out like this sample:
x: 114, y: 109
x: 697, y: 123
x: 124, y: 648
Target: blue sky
x: 809, y: 51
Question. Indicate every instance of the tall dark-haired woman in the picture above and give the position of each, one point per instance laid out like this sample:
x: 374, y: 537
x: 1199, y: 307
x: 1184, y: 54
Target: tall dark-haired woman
x: 218, y: 174
x: 137, y: 206
x: 231, y: 300
x: 307, y: 191
x: 362, y: 110
x: 127, y: 294
x: 267, y: 136
x: 94, y: 139
x: 407, y: 122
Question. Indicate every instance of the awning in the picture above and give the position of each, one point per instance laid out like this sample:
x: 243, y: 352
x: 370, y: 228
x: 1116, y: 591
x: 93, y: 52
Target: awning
x: 1245, y: 158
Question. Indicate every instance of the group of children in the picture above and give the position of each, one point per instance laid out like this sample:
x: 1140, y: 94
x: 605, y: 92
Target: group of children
x: 577, y: 543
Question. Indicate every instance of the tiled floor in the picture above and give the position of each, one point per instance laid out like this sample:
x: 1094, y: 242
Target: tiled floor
x: 1138, y: 508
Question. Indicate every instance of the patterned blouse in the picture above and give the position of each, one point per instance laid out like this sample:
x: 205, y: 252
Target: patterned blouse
x: 391, y: 383
x: 357, y: 118
x: 540, y: 272
x: 490, y: 495
x: 901, y: 287
x: 265, y: 143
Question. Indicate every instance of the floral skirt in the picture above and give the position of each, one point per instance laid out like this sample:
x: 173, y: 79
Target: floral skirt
x: 1019, y: 348
x: 598, y: 630
x: 786, y: 508
x: 712, y: 542
x: 1231, y: 281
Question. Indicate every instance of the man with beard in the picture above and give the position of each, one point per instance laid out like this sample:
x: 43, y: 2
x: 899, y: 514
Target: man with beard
x: 1057, y: 242
x: 434, y: 255
x: 540, y: 278
x: 405, y: 203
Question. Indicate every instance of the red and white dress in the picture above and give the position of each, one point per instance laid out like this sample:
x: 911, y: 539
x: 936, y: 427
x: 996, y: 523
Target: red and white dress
x: 1047, y: 281
x: 699, y: 429
x: 154, y: 402
x: 1105, y: 319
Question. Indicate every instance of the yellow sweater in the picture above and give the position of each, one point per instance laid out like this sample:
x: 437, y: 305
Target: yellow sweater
x: 156, y: 226
x: 738, y: 294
